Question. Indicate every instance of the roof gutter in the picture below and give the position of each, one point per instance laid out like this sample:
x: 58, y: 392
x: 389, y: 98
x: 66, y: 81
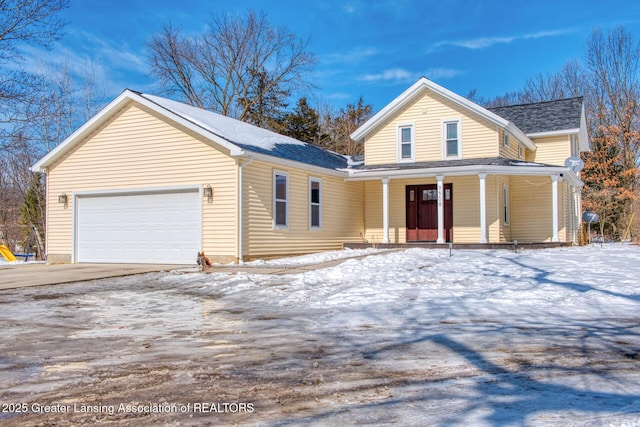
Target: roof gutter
x: 372, y: 174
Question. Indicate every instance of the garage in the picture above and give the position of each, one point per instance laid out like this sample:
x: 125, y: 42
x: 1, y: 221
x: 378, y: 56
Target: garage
x: 138, y: 227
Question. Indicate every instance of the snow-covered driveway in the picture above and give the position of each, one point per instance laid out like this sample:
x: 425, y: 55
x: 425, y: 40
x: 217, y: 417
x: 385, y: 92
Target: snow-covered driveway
x: 411, y: 337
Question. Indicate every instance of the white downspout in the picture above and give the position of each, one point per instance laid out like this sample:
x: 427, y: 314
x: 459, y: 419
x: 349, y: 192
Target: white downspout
x: 554, y: 208
x: 483, y: 208
x: 240, y: 209
x: 385, y: 210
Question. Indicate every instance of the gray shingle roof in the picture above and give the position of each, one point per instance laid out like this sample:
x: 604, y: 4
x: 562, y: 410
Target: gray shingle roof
x: 561, y: 114
x: 303, y: 153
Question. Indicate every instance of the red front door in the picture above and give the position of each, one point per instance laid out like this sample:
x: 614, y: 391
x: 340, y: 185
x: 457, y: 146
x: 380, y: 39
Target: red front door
x: 422, y: 212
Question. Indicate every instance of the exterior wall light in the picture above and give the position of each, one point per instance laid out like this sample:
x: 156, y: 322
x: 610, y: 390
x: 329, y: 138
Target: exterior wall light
x: 207, y: 191
x: 63, y: 199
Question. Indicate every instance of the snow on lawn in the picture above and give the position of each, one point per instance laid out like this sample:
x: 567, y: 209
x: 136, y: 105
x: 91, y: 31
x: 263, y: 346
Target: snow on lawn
x: 409, y: 337
x: 538, y: 329
x: 312, y: 259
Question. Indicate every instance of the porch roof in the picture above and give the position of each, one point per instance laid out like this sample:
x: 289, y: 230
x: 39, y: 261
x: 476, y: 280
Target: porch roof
x: 459, y: 167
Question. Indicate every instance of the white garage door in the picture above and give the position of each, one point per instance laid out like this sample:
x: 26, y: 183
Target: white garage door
x: 158, y: 228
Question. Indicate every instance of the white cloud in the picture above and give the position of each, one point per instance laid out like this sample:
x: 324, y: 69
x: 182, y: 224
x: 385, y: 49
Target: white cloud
x: 114, y: 65
x: 484, y: 42
x: 400, y: 75
x: 351, y: 57
x: 393, y: 74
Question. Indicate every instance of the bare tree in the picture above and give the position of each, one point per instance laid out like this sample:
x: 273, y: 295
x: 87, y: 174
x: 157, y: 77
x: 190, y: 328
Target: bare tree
x: 613, y: 65
x: 613, y: 62
x: 221, y: 68
x: 34, y: 22
x: 569, y: 82
x: 345, y: 123
x: 28, y: 21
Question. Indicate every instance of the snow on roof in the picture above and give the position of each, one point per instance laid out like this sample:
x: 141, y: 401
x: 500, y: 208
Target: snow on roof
x: 252, y: 138
x: 234, y: 131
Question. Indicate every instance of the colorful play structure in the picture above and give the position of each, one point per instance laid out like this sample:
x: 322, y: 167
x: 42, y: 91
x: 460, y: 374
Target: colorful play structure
x: 7, y: 254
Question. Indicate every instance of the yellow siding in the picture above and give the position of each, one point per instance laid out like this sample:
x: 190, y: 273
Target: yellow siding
x: 140, y: 149
x: 478, y: 136
x: 341, y: 206
x: 551, y: 150
x: 510, y: 152
x: 466, y: 208
x: 531, y: 209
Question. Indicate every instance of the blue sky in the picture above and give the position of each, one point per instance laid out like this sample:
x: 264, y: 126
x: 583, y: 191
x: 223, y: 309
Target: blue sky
x: 371, y: 48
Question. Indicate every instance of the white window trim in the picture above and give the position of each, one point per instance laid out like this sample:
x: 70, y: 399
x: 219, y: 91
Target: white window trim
x: 399, y: 142
x: 443, y: 131
x: 505, y: 139
x: 313, y: 179
x: 287, y: 219
x: 506, y: 206
x: 520, y: 151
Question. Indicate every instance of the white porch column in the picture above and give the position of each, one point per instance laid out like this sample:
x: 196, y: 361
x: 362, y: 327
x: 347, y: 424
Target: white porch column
x: 385, y: 210
x: 483, y: 208
x: 554, y: 207
x: 440, y: 178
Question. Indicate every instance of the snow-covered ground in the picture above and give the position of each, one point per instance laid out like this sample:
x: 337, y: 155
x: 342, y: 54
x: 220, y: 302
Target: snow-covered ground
x: 313, y: 259
x: 411, y: 337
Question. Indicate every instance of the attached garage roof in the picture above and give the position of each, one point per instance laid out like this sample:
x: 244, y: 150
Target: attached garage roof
x: 238, y: 137
x: 252, y: 138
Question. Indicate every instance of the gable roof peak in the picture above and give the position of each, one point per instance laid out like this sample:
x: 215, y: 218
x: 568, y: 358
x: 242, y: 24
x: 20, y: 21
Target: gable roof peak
x: 418, y: 88
x: 240, y: 138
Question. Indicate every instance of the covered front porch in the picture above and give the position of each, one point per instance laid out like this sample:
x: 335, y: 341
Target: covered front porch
x: 479, y: 201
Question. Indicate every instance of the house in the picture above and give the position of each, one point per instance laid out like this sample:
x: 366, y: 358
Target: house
x: 151, y: 180
x: 441, y: 168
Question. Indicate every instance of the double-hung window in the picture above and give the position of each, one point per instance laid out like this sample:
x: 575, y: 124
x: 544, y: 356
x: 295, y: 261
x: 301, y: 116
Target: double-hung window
x: 315, y: 210
x: 280, y: 199
x: 451, y: 138
x: 406, y: 146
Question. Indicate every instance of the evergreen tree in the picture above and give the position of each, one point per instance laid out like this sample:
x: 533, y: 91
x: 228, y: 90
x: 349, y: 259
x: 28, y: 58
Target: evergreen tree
x: 32, y: 212
x: 303, y: 123
x: 264, y: 103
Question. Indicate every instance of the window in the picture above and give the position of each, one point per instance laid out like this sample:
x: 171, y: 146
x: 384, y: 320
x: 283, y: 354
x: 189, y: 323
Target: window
x: 520, y: 151
x: 429, y: 195
x: 505, y: 139
x: 314, y: 203
x: 451, y: 131
x: 281, y: 197
x: 505, y: 204
x: 405, y: 139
